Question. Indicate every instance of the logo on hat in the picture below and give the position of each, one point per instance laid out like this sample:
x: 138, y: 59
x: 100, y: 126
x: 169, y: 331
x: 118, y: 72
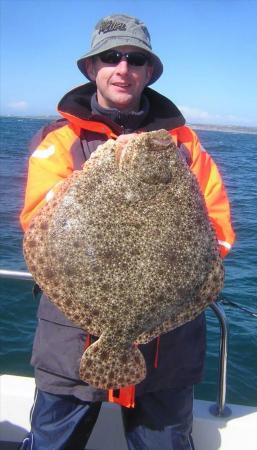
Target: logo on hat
x: 109, y: 25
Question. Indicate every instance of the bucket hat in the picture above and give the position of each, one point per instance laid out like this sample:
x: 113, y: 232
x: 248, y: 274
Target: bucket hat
x: 117, y: 30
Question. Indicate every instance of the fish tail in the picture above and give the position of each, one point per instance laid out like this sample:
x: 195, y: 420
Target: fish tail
x: 105, y: 367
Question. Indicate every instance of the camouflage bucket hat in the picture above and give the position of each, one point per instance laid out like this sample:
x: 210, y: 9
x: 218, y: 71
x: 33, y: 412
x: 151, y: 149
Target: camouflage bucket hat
x: 117, y: 30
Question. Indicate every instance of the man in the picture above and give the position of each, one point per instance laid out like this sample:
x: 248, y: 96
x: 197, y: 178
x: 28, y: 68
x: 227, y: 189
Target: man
x: 117, y: 102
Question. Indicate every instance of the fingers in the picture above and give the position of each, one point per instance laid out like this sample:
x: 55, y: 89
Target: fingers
x: 124, y: 138
x: 121, y: 141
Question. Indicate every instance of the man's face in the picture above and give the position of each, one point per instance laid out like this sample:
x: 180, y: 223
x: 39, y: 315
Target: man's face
x: 119, y: 85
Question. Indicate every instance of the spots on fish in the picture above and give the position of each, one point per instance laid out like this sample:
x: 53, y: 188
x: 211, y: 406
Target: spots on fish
x: 68, y: 302
x: 171, y: 256
x: 112, y: 321
x: 48, y: 273
x: 161, y: 272
x: 137, y: 360
x: 89, y: 362
x: 95, y: 312
x: 105, y: 287
x: 41, y: 260
x: 31, y: 243
x: 76, y: 243
x: 43, y: 225
x: 33, y: 268
x: 123, y: 359
x: 69, y: 270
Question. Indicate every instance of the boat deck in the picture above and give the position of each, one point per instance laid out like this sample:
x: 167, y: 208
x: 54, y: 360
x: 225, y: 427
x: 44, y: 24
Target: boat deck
x: 236, y: 432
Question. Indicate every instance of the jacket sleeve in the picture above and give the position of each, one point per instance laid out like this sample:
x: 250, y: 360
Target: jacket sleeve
x: 49, y: 165
x: 214, y: 191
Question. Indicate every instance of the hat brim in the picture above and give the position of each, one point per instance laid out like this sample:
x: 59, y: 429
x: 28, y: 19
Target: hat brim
x: 156, y: 62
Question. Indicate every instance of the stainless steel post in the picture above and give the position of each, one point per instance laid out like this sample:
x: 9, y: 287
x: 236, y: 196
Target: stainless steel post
x: 220, y: 408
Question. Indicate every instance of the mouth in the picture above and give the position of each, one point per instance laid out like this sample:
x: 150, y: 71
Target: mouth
x: 121, y: 85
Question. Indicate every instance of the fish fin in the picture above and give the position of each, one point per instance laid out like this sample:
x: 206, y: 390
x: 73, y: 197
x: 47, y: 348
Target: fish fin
x: 148, y: 336
x: 182, y: 316
x: 105, y: 367
x: 188, y: 310
x: 169, y: 325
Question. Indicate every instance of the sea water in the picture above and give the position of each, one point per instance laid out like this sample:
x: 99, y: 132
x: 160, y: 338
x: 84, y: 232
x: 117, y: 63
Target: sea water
x: 236, y: 156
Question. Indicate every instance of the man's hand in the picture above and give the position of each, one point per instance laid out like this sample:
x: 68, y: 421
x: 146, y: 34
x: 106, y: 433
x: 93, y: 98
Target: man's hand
x: 121, y: 141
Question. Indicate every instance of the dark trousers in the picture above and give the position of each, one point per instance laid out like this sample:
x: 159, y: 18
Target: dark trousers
x: 160, y: 421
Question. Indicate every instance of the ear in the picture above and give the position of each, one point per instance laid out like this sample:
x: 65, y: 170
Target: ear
x: 90, y: 68
x: 149, y: 73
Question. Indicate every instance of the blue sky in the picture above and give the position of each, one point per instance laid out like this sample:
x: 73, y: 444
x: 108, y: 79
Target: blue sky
x: 208, y: 47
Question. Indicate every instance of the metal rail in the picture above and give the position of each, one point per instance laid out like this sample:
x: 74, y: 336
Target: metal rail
x: 15, y: 274
x: 218, y: 409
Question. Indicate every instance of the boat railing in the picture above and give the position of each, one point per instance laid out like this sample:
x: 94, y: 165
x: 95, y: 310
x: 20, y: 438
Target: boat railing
x: 15, y: 275
x: 218, y: 409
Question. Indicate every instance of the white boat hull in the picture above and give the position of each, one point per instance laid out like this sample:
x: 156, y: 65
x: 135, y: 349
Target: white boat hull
x: 236, y: 432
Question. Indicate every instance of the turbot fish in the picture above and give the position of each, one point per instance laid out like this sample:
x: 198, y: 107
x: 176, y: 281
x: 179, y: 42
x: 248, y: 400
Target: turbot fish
x: 126, y: 250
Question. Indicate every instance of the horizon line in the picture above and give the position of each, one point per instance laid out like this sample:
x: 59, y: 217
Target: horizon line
x: 190, y: 123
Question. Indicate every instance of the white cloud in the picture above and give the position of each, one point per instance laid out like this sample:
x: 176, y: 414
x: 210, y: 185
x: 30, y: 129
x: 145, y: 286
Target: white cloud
x: 196, y: 115
x: 19, y: 105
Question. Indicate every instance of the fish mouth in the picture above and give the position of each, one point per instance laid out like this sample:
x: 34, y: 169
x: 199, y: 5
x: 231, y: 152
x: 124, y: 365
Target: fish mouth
x: 161, y: 142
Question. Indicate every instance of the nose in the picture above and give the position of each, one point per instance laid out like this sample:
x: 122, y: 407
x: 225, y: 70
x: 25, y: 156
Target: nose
x: 122, y: 67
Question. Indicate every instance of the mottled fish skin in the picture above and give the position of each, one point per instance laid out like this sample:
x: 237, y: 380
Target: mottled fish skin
x: 126, y: 250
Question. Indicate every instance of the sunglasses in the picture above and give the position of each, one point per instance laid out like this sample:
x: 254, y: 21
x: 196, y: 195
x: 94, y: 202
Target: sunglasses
x: 132, y: 58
